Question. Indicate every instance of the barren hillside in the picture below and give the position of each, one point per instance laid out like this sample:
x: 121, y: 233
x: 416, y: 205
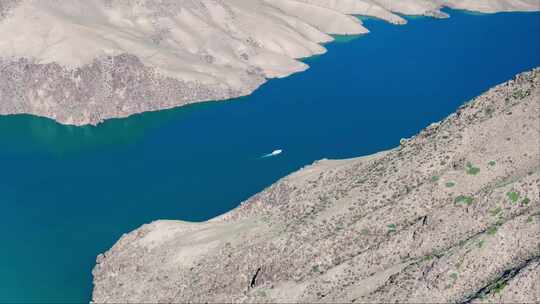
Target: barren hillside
x: 451, y: 215
x: 82, y: 61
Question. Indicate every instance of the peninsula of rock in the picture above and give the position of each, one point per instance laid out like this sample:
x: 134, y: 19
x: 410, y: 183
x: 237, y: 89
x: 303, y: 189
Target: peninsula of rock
x: 83, y: 61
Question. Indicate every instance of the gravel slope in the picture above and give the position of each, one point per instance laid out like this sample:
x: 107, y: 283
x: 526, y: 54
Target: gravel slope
x: 451, y: 215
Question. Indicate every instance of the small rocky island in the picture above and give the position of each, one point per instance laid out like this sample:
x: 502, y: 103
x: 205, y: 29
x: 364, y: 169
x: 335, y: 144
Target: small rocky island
x: 83, y: 61
x: 451, y: 215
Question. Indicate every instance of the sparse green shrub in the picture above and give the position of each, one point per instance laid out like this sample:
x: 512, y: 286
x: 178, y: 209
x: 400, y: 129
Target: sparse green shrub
x: 450, y: 184
x: 492, y: 163
x: 364, y: 231
x: 427, y: 258
x: 525, y: 201
x: 513, y: 196
x: 391, y: 227
x: 492, y: 230
x: 435, y: 178
x: 361, y: 180
x: 495, y: 211
x: 499, y: 286
x: 468, y: 200
x: 480, y: 244
x: 520, y: 94
x: 472, y: 170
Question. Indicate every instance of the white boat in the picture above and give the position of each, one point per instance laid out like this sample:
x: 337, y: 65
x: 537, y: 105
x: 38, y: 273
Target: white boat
x: 274, y: 153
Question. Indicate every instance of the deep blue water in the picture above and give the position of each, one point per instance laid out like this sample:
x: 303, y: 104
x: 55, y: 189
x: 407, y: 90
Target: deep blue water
x: 68, y: 193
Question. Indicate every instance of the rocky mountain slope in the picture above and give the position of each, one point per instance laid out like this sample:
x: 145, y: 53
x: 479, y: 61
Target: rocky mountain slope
x: 451, y: 215
x: 82, y: 61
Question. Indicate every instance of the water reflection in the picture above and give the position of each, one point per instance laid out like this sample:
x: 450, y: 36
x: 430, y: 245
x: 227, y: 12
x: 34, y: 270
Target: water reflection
x: 28, y: 133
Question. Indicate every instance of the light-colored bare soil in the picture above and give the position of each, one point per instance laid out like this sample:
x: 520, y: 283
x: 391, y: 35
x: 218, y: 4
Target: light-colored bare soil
x: 83, y: 61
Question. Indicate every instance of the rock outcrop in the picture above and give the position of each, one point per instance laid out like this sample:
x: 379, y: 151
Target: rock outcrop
x: 83, y: 61
x: 451, y: 215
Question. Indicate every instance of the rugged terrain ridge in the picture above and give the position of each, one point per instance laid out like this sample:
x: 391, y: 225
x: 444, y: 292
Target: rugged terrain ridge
x: 451, y: 215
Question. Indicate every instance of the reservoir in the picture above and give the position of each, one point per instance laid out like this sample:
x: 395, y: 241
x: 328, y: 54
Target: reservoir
x: 68, y: 193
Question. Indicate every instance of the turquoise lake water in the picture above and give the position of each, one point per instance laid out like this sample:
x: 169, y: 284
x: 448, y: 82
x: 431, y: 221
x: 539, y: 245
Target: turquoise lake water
x: 68, y: 193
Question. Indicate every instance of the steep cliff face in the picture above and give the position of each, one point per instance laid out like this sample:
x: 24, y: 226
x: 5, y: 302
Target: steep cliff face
x: 451, y: 215
x: 82, y: 61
